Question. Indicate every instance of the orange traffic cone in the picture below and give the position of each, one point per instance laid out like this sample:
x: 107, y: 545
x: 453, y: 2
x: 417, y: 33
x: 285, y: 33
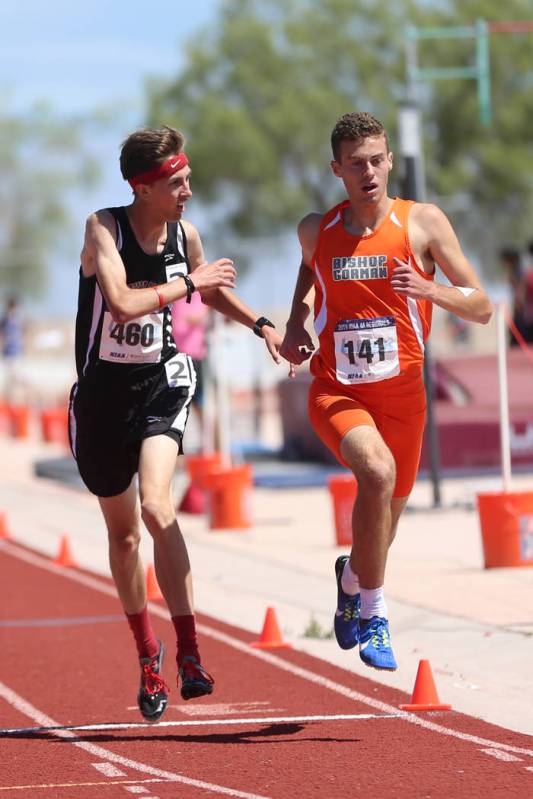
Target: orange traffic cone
x: 64, y: 556
x: 4, y: 531
x: 153, y: 591
x: 270, y: 634
x: 425, y: 695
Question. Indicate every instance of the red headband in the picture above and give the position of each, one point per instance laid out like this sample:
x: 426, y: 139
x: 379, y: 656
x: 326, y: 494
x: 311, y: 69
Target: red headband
x: 173, y: 164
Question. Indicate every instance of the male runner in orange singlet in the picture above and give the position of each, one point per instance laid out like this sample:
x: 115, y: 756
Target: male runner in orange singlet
x: 371, y: 260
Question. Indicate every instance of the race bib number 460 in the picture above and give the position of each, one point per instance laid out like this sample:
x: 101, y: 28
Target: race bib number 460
x: 366, y: 350
x: 137, y: 341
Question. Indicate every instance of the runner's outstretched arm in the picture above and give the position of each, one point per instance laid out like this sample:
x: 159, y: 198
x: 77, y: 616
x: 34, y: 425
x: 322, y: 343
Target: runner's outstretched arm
x: 101, y: 257
x: 225, y: 301
x: 298, y: 345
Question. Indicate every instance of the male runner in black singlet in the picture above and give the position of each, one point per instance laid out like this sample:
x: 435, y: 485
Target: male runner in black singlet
x: 130, y: 404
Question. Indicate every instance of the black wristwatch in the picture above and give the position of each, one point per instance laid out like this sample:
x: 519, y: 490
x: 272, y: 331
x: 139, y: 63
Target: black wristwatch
x: 190, y: 286
x: 260, y: 323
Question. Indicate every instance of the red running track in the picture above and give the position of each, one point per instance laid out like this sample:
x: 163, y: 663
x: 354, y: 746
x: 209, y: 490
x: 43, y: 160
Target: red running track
x: 281, y: 724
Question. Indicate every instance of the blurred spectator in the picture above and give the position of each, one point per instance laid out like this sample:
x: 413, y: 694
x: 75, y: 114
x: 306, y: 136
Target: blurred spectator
x: 528, y: 266
x: 528, y: 294
x: 12, y: 342
x: 189, y: 325
x: 459, y: 330
x: 521, y: 294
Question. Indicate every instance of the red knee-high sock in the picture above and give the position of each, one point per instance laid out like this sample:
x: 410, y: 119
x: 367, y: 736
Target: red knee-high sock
x: 185, y: 627
x: 141, y: 627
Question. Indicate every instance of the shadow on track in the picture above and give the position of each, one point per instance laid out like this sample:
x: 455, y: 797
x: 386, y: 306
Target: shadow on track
x: 277, y: 731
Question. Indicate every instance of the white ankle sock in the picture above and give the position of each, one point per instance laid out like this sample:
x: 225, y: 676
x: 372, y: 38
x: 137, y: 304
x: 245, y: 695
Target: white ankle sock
x: 373, y: 603
x: 349, y: 580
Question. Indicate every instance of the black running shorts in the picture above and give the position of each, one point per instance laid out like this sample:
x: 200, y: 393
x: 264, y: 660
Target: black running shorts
x: 109, y: 420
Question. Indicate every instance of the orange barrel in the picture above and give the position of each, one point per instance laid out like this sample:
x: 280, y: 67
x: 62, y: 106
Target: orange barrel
x: 229, y: 494
x: 343, y: 491
x: 19, y: 417
x: 5, y: 420
x: 194, y: 499
x: 198, y: 465
x: 506, y: 522
x: 54, y: 425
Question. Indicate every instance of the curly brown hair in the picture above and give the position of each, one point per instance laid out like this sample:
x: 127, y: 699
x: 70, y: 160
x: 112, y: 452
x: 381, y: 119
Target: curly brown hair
x: 354, y: 126
x: 147, y: 147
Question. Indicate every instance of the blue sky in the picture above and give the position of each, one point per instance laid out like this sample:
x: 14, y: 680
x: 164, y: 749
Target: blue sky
x: 81, y: 56
x: 77, y: 55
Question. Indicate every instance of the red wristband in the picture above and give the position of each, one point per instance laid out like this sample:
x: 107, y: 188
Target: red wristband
x: 160, y: 297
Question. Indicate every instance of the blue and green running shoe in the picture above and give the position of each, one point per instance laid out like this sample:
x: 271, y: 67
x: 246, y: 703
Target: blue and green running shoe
x: 374, y: 644
x: 346, y: 622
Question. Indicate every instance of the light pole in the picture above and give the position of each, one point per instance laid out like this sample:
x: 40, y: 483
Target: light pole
x: 410, y: 149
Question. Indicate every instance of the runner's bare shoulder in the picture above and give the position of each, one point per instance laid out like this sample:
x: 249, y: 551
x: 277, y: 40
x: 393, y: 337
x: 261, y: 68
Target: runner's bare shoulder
x: 308, y: 230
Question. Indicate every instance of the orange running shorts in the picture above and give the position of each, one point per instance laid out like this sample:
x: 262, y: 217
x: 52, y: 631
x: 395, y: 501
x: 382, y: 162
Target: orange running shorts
x: 398, y: 413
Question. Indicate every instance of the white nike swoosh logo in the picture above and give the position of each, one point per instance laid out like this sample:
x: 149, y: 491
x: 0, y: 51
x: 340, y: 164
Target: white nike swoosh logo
x: 172, y: 165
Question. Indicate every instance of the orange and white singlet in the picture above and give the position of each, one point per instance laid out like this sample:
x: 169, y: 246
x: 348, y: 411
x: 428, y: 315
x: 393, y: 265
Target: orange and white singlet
x: 367, y: 332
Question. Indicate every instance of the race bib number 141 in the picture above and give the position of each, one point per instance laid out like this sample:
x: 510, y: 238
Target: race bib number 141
x: 366, y: 350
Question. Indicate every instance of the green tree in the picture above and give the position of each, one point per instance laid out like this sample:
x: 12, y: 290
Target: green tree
x: 482, y: 176
x: 262, y: 87
x: 41, y: 160
x: 258, y: 97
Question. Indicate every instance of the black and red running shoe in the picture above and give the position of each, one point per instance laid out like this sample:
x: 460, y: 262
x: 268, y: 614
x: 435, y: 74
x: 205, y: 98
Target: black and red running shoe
x: 153, y: 690
x: 195, y: 681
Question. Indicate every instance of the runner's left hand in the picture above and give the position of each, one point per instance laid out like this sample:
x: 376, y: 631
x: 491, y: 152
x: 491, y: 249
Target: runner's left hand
x: 407, y: 281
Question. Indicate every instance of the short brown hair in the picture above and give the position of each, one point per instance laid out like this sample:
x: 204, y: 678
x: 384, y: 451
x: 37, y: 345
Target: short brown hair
x: 147, y: 147
x: 354, y: 126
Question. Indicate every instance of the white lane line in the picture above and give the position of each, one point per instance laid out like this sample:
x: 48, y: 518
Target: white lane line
x: 220, y: 709
x: 76, y: 621
x: 27, y: 709
x: 108, y: 770
x: 50, y: 785
x: 266, y: 657
x: 499, y: 755
x: 356, y: 696
x: 134, y: 725
x: 137, y: 789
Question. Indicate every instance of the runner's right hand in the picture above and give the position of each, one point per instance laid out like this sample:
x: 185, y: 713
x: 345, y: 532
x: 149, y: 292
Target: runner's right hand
x: 297, y: 345
x: 215, y: 275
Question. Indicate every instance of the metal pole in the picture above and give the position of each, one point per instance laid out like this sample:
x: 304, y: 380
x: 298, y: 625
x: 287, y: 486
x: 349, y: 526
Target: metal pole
x: 504, y: 398
x: 483, y: 71
x: 223, y: 419
x: 410, y: 147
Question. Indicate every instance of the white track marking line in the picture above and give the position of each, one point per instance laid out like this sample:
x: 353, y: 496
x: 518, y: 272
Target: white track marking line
x: 108, y: 770
x: 77, y: 785
x: 325, y: 682
x: 134, y: 725
x: 235, y: 643
x: 27, y: 709
x: 499, y: 755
